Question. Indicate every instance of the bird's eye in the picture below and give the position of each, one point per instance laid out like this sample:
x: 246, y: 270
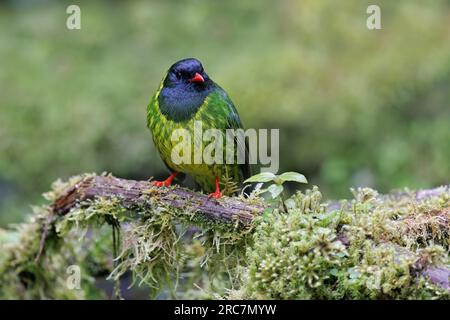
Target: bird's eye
x: 178, y: 74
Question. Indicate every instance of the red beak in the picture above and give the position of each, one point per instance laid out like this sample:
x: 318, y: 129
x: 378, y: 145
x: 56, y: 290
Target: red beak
x: 197, y: 78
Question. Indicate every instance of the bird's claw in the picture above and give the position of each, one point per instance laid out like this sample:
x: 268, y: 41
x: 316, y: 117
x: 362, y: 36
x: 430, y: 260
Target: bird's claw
x: 215, y: 195
x: 165, y: 183
x: 160, y: 183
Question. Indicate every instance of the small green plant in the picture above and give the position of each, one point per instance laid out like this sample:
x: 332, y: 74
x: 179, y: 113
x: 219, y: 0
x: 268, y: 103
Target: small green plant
x: 276, y: 188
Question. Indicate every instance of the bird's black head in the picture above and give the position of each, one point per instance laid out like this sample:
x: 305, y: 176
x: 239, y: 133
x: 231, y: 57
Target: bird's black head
x: 188, y: 73
x: 184, y: 89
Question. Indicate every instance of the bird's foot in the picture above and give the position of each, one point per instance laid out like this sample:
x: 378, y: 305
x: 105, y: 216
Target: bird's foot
x: 217, y: 194
x: 166, y: 182
x: 161, y: 183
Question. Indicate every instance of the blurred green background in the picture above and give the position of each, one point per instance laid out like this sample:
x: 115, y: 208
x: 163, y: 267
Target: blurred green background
x: 355, y: 107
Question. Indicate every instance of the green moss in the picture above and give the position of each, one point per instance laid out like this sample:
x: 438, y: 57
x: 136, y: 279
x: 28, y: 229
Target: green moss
x: 370, y: 247
x: 22, y: 278
x: 367, y: 249
x: 154, y: 245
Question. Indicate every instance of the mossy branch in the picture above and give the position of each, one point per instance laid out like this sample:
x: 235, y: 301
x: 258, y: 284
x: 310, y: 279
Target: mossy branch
x: 141, y: 194
x: 372, y: 246
x: 134, y: 194
x: 392, y: 246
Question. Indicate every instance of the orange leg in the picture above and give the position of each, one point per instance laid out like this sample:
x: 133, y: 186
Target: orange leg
x: 166, y: 182
x: 217, y: 194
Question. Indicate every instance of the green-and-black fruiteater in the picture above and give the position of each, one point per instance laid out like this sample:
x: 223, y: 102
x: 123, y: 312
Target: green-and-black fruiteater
x: 186, y: 95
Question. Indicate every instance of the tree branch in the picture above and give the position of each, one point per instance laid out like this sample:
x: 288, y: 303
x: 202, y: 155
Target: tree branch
x: 140, y: 194
x: 135, y: 194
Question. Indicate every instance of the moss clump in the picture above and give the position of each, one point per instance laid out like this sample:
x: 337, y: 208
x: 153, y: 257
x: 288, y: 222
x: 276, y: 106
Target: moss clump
x: 155, y: 245
x: 360, y: 250
x: 22, y: 278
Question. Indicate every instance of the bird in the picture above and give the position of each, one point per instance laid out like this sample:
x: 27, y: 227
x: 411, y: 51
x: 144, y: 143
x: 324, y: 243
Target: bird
x: 185, y: 95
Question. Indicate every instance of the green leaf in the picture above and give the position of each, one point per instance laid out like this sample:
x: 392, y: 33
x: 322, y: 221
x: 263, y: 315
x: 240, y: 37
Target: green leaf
x: 261, y: 177
x: 275, y: 190
x: 293, y: 176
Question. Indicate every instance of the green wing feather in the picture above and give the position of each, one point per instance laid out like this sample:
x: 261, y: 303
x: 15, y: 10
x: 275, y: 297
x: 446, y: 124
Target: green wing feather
x: 234, y: 122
